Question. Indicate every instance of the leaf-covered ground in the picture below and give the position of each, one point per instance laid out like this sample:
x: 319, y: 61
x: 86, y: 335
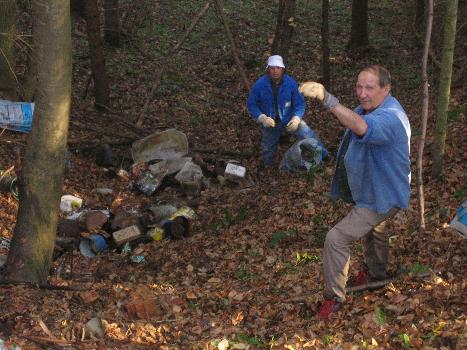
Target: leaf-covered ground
x: 249, y: 276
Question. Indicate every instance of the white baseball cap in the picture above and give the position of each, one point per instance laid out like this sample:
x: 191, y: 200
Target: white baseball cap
x: 275, y: 61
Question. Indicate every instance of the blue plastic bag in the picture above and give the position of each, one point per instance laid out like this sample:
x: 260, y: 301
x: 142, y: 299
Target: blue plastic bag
x: 16, y: 116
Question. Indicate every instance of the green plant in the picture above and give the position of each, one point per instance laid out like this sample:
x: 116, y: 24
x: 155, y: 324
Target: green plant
x: 328, y: 339
x: 279, y: 236
x: 418, y: 269
x: 305, y: 257
x: 454, y: 114
x: 249, y: 339
x: 405, y: 340
x: 380, y: 316
x: 320, y: 236
x: 243, y: 273
x: 462, y: 193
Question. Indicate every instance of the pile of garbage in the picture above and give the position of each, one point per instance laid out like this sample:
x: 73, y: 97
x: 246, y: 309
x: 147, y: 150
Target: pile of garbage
x: 159, y: 159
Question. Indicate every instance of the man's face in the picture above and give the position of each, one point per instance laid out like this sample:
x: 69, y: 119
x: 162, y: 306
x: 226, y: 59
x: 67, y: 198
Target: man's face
x: 276, y: 73
x: 369, y: 93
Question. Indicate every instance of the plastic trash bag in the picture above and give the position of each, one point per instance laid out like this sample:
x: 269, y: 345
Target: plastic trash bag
x: 302, y: 156
x: 16, y: 116
x: 459, y: 222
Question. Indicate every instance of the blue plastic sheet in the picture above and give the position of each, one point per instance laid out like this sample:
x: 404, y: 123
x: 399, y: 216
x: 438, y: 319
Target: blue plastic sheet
x: 16, y: 116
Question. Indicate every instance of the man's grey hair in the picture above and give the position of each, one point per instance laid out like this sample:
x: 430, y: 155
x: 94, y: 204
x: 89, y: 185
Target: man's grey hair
x: 382, y: 73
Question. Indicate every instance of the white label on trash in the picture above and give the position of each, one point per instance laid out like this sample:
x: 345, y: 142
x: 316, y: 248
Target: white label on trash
x: 232, y: 170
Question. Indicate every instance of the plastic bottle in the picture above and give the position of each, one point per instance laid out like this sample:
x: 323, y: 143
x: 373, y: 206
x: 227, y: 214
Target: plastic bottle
x: 6, y: 345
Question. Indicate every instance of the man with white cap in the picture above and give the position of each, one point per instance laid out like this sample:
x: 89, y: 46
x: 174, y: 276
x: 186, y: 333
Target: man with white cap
x: 278, y: 106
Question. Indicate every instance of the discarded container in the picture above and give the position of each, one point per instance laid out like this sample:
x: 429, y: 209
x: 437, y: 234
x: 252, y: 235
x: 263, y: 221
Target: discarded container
x: 94, y: 328
x: 104, y: 191
x: 16, y: 116
x: 176, y: 228
x: 156, y: 233
x: 127, y: 234
x: 168, y: 144
x: 9, y: 183
x: 148, y: 183
x: 190, y: 177
x: 7, y: 345
x: 91, y: 246
x: 302, y: 156
x: 169, y: 166
x: 69, y: 203
x: 459, y: 223
x: 234, y: 172
x: 4, y: 243
x: 138, y: 259
x: 161, y: 212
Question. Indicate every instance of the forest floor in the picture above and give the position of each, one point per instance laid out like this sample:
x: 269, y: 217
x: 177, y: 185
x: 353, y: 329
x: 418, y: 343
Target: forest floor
x: 249, y: 276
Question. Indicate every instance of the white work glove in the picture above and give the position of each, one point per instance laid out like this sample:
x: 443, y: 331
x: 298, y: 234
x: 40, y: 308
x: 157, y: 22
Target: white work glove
x: 266, y: 121
x: 293, y: 124
x: 317, y: 90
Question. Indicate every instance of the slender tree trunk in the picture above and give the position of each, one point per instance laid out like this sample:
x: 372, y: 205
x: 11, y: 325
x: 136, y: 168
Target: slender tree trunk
x: 284, y: 28
x: 325, y: 65
x: 93, y: 28
x: 444, y: 90
x: 30, y: 255
x: 233, y: 47
x: 421, y: 144
x: 112, y: 22
x: 7, y: 54
x: 359, y: 30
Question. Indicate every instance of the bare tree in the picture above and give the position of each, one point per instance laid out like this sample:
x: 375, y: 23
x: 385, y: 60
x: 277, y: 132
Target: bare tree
x: 325, y: 64
x: 112, y: 22
x: 444, y: 89
x: 359, y: 30
x: 284, y: 28
x: 425, y: 102
x: 7, y: 54
x: 30, y: 254
x: 93, y: 28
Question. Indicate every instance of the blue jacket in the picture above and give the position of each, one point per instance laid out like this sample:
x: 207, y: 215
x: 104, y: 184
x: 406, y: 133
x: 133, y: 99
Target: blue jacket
x: 290, y: 101
x: 378, y: 163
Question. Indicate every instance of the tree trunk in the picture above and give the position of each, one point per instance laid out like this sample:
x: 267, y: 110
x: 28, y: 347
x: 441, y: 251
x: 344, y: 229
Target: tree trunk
x: 93, y: 28
x: 444, y: 89
x: 112, y: 22
x: 325, y: 65
x: 7, y: 53
x: 419, y: 13
x: 359, y: 30
x: 284, y: 28
x: 425, y: 102
x: 77, y: 8
x: 30, y: 255
x: 219, y: 8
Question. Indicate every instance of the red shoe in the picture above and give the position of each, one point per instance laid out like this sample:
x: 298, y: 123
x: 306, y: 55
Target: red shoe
x: 363, y: 277
x: 328, y: 307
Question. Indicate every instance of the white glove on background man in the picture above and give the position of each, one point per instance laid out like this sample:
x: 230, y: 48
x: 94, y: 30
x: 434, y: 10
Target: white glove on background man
x: 317, y: 90
x: 266, y: 121
x: 293, y: 124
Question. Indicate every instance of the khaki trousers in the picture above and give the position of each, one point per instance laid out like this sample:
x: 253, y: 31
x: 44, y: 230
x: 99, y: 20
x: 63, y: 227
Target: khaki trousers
x: 359, y: 223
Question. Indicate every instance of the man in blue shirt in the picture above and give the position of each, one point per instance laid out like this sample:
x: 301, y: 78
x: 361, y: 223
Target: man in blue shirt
x: 373, y: 172
x: 277, y: 105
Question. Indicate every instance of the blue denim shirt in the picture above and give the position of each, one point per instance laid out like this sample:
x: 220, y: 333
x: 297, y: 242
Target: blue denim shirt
x: 378, y: 163
x: 290, y: 101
